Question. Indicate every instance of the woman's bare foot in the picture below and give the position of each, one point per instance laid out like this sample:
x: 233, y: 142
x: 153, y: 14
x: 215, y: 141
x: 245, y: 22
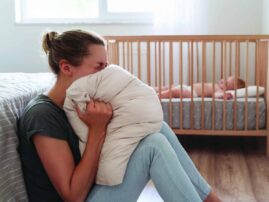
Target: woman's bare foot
x: 212, y: 197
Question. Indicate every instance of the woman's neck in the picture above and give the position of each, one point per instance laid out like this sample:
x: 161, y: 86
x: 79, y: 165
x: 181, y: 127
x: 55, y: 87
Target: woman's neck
x: 58, y: 92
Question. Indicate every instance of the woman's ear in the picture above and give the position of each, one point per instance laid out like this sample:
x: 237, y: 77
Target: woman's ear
x: 65, y: 67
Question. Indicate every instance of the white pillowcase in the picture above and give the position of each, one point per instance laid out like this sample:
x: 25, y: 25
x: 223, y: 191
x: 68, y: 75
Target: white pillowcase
x: 252, y: 91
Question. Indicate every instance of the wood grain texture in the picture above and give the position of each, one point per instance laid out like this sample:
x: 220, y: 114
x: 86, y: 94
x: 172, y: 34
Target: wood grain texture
x: 236, y: 167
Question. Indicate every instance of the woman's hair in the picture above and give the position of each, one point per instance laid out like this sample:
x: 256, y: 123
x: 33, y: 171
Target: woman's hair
x: 71, y: 45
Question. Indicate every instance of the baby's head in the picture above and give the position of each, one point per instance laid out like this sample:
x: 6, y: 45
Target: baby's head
x: 231, y: 83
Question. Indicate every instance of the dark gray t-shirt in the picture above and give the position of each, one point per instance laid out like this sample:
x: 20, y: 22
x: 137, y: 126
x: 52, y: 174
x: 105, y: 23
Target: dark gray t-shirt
x: 42, y: 116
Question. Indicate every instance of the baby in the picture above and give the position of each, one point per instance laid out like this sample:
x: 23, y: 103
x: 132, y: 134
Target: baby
x: 218, y: 92
x: 137, y: 112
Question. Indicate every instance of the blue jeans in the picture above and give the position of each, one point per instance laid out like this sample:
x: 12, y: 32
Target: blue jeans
x: 159, y: 157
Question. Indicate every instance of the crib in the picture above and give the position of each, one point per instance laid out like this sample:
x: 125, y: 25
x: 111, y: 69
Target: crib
x: 172, y: 60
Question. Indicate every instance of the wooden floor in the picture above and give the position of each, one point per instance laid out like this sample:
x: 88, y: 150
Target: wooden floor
x: 235, y: 167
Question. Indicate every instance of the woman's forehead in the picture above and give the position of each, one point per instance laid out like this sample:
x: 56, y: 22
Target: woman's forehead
x: 95, y: 47
x: 99, y: 52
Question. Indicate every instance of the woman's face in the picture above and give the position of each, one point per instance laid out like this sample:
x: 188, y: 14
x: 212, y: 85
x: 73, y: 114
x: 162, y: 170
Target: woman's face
x: 94, y: 62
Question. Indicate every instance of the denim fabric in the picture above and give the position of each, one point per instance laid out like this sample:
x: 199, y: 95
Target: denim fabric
x: 159, y: 157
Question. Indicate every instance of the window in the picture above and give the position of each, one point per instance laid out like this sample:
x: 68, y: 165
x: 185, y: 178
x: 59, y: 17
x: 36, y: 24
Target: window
x: 84, y: 11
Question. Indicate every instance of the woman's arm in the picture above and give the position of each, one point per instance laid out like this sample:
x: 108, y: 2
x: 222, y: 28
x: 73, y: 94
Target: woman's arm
x: 74, y: 182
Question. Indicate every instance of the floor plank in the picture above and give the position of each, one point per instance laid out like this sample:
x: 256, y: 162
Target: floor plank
x: 235, y: 167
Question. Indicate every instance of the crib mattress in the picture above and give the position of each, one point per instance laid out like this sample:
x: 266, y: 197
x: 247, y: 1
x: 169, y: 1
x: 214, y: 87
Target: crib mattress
x: 197, y: 112
x: 16, y: 89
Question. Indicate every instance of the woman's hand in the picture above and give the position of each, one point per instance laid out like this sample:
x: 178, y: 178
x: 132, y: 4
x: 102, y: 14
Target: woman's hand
x: 96, y: 116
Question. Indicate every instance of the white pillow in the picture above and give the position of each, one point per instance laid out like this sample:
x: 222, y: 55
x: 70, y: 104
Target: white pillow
x: 252, y: 91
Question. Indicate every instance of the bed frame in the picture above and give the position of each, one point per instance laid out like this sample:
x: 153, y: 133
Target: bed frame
x: 172, y: 60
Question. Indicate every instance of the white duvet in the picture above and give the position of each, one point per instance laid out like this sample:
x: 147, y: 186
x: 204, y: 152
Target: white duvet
x: 137, y: 112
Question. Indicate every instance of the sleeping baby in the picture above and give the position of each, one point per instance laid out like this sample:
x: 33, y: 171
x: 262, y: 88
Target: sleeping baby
x: 221, y: 90
x: 137, y: 112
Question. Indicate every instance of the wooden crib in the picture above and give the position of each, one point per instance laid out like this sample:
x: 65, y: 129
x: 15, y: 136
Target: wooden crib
x: 172, y: 60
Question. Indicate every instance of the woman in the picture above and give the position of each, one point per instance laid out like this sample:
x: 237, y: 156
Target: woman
x: 52, y: 165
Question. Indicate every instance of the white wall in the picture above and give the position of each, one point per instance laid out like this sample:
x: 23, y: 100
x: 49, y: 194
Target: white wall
x: 20, y: 44
x: 265, y: 17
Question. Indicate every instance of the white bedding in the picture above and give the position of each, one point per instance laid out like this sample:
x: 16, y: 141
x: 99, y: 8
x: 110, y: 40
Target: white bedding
x: 137, y: 112
x: 251, y: 91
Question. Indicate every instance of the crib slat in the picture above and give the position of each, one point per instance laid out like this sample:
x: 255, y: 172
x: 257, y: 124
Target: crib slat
x: 115, y: 53
x: 267, y: 93
x: 128, y: 57
x: 160, y: 67
x: 112, y: 54
x: 155, y: 64
x: 221, y: 60
x: 163, y: 61
x: 203, y: 83
x: 189, y: 80
x: 170, y: 82
x: 190, y: 56
x: 223, y: 45
x: 148, y: 63
x: 230, y: 58
x: 246, y: 82
x: 213, y: 83
x: 109, y: 51
x: 257, y: 84
x: 131, y: 58
x: 237, y: 59
x: 117, y: 57
x: 124, y: 54
x: 239, y: 51
x: 197, y: 62
x: 181, y: 84
x: 139, y: 59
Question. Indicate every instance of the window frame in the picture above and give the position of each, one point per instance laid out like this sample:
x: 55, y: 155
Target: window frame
x: 105, y: 17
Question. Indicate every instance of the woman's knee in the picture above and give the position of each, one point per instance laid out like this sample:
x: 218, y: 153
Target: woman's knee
x: 165, y: 126
x: 166, y: 130
x: 155, y: 140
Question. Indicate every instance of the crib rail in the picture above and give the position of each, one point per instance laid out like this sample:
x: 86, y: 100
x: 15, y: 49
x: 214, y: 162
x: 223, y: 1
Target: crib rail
x: 176, y: 60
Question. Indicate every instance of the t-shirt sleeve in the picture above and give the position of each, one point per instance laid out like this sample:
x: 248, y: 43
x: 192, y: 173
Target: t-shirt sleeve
x: 44, y: 120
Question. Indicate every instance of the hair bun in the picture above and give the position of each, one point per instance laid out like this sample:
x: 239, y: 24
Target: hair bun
x: 48, y: 39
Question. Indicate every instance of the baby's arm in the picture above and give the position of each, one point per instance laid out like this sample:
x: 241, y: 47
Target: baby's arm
x: 222, y: 95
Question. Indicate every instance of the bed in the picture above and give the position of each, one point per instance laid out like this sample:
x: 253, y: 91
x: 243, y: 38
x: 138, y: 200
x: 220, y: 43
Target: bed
x: 16, y: 89
x: 166, y: 61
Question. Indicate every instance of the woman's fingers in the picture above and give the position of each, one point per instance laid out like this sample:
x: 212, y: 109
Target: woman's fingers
x: 90, y: 105
x: 98, y: 106
x: 97, y: 115
x: 109, y: 108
